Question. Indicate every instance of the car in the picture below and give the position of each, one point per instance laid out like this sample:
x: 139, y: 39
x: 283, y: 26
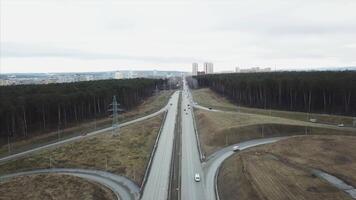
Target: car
x: 210, y: 108
x: 313, y: 120
x: 236, y: 148
x: 197, y: 177
x: 186, y: 113
x: 184, y: 109
x: 171, y: 104
x: 341, y: 125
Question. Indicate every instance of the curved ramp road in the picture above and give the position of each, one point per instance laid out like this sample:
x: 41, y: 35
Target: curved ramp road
x: 156, y: 187
x: 190, y: 163
x: 123, y: 187
x: 17, y: 155
x: 215, y: 160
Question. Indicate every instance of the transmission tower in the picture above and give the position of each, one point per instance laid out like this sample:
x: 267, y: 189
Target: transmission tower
x: 115, y: 116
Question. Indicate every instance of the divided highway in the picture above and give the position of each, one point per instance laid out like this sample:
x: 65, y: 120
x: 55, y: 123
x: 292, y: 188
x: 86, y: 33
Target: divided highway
x: 190, y: 163
x: 157, y: 183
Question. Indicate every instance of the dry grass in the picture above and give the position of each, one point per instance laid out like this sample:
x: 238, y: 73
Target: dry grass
x: 217, y: 129
x: 126, y: 154
x: 54, y: 186
x: 281, y: 170
x: 208, y: 98
x: 150, y: 105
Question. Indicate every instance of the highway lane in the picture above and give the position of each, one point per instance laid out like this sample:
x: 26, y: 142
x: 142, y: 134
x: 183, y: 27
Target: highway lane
x: 122, y: 187
x: 72, y: 139
x: 215, y: 160
x: 190, y: 163
x: 157, y: 183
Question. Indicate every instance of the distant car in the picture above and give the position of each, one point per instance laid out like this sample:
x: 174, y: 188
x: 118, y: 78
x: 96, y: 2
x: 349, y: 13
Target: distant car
x: 341, y: 125
x: 171, y: 104
x: 197, y: 177
x: 236, y: 148
x: 186, y: 113
x: 210, y: 108
x: 184, y: 109
x: 312, y: 120
x: 188, y: 105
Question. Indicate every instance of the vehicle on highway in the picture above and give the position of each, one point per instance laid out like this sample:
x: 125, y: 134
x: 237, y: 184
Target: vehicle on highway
x: 341, y: 125
x: 236, y: 148
x: 171, y: 104
x: 210, y: 108
x: 184, y: 109
x: 313, y: 120
x: 197, y: 177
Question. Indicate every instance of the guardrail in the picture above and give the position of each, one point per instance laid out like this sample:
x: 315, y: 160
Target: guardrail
x: 202, y: 156
x: 216, y: 191
x: 149, y: 165
x: 176, y: 144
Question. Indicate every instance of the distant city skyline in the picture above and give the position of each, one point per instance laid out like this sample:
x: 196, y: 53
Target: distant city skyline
x: 87, y: 36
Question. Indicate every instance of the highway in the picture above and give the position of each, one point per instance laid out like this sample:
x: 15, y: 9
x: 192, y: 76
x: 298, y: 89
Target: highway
x: 122, y: 187
x: 157, y: 183
x: 72, y: 139
x: 190, y: 163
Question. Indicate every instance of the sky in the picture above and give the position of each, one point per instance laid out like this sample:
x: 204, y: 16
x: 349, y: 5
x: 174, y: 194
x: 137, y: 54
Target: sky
x: 106, y: 35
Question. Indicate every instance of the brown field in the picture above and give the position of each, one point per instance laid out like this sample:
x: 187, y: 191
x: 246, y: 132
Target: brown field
x: 218, y: 129
x: 281, y: 170
x: 126, y: 154
x: 55, y: 186
x: 150, y: 105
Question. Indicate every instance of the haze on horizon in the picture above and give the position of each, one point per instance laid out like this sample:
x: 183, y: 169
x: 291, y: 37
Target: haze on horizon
x: 78, y: 35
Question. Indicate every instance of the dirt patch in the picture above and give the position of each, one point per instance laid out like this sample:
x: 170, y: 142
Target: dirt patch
x: 126, y: 154
x: 55, y: 186
x: 282, y: 170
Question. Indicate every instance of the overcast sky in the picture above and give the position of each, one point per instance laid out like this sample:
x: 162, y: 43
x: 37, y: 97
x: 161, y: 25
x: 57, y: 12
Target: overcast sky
x: 102, y: 35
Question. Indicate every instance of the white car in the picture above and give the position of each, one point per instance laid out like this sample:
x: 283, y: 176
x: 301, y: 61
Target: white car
x: 197, y: 177
x: 341, y: 125
x: 236, y: 148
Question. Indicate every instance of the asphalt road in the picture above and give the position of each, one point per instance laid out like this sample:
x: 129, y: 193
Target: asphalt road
x: 21, y: 154
x: 213, y: 163
x: 190, y: 163
x: 157, y: 183
x: 122, y: 187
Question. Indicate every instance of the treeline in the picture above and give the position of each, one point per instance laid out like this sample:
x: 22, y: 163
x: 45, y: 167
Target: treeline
x: 322, y: 92
x: 25, y: 109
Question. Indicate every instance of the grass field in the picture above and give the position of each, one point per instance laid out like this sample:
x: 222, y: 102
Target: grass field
x: 208, y: 98
x: 126, y: 154
x: 282, y: 170
x: 218, y: 129
x: 151, y: 105
x: 36, y: 187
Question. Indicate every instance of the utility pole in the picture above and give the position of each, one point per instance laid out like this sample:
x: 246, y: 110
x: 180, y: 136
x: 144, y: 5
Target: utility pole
x: 8, y: 143
x: 156, y: 91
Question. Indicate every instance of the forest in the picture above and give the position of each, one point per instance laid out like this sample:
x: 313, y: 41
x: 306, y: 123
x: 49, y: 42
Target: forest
x: 330, y: 92
x: 26, y: 109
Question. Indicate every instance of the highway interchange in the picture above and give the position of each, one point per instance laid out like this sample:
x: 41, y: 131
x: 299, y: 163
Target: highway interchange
x: 158, y: 174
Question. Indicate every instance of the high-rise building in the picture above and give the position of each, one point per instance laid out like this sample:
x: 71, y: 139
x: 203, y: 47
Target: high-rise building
x: 195, y: 69
x: 118, y: 75
x: 208, y: 68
